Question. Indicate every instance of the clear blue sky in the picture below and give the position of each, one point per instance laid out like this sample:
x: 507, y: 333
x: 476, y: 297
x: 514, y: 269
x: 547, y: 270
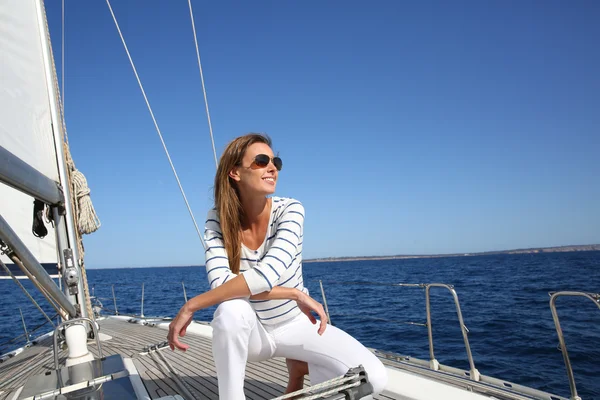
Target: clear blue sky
x: 405, y: 127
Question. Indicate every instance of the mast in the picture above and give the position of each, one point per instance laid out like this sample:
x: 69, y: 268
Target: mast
x: 65, y: 228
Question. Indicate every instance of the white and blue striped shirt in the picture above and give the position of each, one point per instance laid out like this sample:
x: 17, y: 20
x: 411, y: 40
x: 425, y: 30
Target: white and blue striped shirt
x: 277, y: 262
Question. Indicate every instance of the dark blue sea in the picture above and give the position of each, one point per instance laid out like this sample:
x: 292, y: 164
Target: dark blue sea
x: 504, y: 300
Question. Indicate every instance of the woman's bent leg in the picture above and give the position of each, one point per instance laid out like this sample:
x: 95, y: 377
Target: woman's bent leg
x: 236, y: 336
x: 328, y: 356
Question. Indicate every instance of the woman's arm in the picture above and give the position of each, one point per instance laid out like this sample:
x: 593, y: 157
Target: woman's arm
x: 233, y: 289
x: 283, y: 250
x: 217, y: 262
x: 277, y: 293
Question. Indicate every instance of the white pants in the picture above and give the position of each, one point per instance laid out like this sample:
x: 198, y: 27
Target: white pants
x: 238, y: 337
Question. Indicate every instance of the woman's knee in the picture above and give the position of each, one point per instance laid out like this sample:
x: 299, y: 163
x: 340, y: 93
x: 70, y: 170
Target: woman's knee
x: 233, y: 315
x: 377, y: 374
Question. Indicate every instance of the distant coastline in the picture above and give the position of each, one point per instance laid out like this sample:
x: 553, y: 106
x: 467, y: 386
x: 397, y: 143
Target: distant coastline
x: 556, y: 249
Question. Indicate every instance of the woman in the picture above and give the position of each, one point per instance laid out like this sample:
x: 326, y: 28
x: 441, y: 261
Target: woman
x: 254, y: 267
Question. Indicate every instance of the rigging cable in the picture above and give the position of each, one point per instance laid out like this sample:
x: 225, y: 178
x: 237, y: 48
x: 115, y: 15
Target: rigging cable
x: 156, y: 124
x: 212, y: 139
x: 62, y: 55
x: 9, y: 273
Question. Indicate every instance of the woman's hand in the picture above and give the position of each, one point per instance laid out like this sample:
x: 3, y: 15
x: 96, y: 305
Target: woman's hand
x: 232, y: 289
x: 308, y: 304
x: 177, y: 328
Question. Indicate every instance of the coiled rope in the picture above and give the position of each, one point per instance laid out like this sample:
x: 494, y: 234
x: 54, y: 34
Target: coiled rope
x: 87, y: 220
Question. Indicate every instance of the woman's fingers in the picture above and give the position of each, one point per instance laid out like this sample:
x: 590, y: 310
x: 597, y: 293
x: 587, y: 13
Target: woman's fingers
x: 174, y: 343
x: 308, y: 305
x: 323, y: 318
x: 323, y: 326
x: 179, y: 345
x: 321, y: 312
x: 311, y: 317
x: 170, y: 336
x: 175, y: 330
x: 184, y: 329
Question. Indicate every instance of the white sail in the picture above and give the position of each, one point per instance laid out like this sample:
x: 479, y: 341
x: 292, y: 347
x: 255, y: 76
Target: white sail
x: 25, y: 118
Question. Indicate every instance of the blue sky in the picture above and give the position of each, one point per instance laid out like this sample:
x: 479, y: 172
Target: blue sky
x: 405, y: 127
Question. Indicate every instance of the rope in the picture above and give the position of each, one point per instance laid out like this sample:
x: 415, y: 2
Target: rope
x: 212, y: 139
x: 332, y: 391
x: 168, y: 370
x: 156, y: 124
x: 188, y: 389
x: 87, y: 221
x: 324, y: 385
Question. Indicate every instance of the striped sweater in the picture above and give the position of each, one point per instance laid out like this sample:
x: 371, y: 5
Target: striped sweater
x: 277, y: 262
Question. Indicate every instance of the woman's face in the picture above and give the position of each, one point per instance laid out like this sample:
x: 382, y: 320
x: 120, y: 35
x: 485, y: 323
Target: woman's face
x: 257, y: 174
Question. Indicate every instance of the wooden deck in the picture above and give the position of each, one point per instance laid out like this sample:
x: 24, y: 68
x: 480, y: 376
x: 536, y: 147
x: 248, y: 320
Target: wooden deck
x: 196, y: 368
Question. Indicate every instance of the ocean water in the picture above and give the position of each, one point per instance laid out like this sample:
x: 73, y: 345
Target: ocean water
x: 504, y: 300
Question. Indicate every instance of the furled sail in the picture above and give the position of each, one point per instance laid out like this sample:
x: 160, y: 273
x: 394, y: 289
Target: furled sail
x: 25, y: 118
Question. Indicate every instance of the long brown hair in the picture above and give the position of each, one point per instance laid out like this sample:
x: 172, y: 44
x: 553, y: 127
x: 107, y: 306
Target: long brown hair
x: 227, y: 198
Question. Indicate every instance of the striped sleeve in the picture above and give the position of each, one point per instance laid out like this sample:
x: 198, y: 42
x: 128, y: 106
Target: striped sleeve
x: 217, y: 263
x: 282, y: 252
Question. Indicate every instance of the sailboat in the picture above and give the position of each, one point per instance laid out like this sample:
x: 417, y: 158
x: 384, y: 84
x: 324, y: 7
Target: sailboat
x: 92, y: 356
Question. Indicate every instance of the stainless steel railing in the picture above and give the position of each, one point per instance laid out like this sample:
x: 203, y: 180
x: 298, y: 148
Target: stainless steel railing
x: 595, y: 297
x: 474, y: 373
x: 433, y: 363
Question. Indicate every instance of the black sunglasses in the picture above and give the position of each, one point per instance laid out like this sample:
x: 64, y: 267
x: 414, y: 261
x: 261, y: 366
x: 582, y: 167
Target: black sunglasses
x: 262, y: 160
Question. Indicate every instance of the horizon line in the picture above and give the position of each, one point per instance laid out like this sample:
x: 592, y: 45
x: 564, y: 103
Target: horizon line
x: 593, y: 247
